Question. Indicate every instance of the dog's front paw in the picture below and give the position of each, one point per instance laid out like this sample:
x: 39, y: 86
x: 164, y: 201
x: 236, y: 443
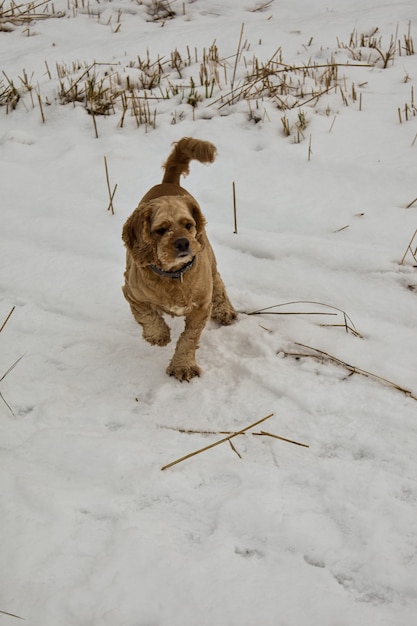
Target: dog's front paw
x: 224, y: 315
x: 158, y: 334
x: 183, y: 372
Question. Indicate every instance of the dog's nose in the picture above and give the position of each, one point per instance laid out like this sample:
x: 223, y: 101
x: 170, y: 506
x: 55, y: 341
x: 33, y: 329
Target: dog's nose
x: 182, y: 244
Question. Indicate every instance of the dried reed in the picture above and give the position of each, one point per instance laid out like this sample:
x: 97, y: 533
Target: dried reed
x: 217, y: 443
x: 348, y: 324
x: 110, y: 192
x: 409, y: 248
x: 11, y: 615
x: 353, y: 369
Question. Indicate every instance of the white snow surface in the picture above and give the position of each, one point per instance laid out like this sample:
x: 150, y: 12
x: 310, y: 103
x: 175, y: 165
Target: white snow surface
x: 93, y: 533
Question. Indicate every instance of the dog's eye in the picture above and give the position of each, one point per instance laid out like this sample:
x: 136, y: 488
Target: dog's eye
x: 161, y: 231
x: 188, y: 226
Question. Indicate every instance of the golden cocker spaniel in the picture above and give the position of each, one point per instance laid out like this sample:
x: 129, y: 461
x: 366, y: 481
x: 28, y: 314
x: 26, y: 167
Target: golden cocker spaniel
x: 170, y: 265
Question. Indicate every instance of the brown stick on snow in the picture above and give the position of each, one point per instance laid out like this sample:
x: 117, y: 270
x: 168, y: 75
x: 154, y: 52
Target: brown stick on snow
x: 216, y: 443
x: 357, y: 370
x: 297, y: 443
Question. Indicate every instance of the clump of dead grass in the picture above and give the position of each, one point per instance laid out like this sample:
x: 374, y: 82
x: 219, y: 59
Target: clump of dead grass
x: 195, y: 78
x: 14, y: 14
x: 370, y: 47
x: 9, y: 95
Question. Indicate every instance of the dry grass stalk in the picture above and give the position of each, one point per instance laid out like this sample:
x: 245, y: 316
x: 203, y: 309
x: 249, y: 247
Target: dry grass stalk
x: 18, y: 14
x: 351, y: 368
x: 310, y: 152
x: 286, y: 125
x: 10, y: 368
x: 217, y: 443
x: 348, y: 324
x: 3, y: 377
x: 7, y: 318
x: 262, y: 6
x: 11, y: 615
x: 93, y: 116
x: 237, y: 58
x: 234, y: 449
x: 41, y: 107
x: 9, y: 95
x: 409, y: 45
x: 409, y: 248
x: 198, y: 431
x: 296, y: 443
x: 111, y: 194
x: 234, y: 208
x: 388, y: 55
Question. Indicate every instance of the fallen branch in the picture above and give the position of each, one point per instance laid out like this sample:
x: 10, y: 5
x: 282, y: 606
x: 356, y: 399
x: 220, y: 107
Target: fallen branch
x: 351, y: 368
x: 216, y: 443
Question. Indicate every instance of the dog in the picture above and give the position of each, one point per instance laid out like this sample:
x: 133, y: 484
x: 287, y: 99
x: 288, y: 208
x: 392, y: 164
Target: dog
x: 170, y: 265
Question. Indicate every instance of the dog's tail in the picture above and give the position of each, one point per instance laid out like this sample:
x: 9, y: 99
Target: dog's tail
x: 185, y: 151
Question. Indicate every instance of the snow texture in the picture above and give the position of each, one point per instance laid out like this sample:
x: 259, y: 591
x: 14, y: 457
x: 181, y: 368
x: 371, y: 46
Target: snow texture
x: 93, y: 533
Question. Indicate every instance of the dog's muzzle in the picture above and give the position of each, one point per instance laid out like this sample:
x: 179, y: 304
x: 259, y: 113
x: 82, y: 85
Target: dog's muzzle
x: 182, y: 246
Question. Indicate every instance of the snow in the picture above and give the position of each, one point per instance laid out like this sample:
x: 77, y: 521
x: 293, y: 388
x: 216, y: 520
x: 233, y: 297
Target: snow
x: 93, y: 532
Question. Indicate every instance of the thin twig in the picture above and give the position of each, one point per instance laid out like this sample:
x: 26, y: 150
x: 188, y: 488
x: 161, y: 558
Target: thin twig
x: 297, y: 443
x: 409, y: 248
x: 11, y: 615
x: 234, y: 449
x: 11, y: 368
x: 111, y: 195
x: 216, y: 443
x: 412, y: 202
x: 198, y: 431
x: 234, y: 208
x: 94, y: 119
x: 355, y: 370
x: 7, y: 319
x: 41, y: 107
x: 290, y: 313
x: 237, y: 57
x: 267, y: 311
x: 111, y: 199
x: 9, y: 407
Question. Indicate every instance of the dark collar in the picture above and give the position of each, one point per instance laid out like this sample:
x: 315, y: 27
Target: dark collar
x: 177, y: 274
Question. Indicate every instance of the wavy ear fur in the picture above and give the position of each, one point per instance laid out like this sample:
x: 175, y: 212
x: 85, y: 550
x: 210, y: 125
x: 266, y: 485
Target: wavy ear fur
x: 137, y: 237
x: 200, y: 220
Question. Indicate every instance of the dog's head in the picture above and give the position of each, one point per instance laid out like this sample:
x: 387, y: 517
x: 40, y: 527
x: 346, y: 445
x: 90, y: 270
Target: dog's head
x: 167, y: 232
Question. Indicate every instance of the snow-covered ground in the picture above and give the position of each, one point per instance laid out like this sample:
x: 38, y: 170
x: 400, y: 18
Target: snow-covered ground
x: 93, y: 533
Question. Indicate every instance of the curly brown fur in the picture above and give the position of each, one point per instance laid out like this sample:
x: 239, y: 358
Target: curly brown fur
x: 170, y: 265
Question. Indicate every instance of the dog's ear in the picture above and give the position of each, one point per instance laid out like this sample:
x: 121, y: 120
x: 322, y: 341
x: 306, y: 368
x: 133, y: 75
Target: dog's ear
x: 198, y: 217
x: 137, y: 236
